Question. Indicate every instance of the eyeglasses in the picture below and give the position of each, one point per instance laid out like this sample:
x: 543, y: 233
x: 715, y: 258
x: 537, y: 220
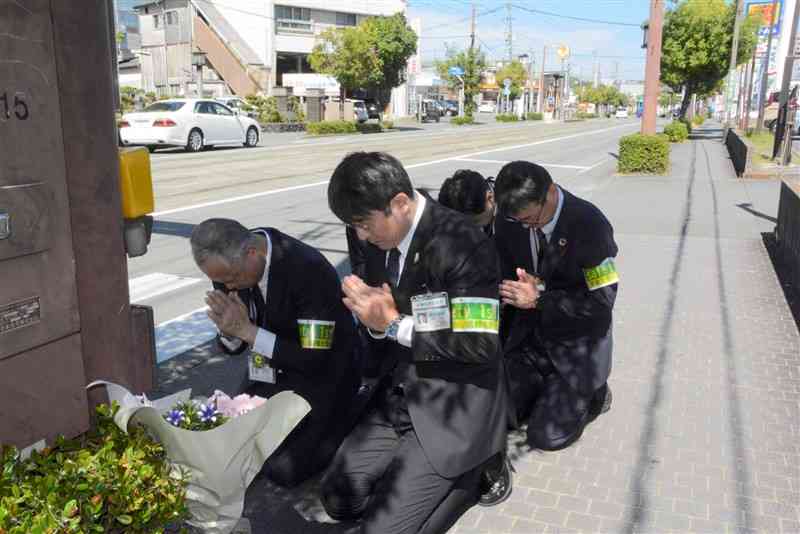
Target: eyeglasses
x: 527, y: 220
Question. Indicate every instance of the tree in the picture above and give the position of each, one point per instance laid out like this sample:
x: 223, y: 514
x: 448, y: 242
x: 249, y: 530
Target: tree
x: 516, y: 72
x: 696, y: 46
x: 395, y: 42
x: 473, y: 62
x: 370, y: 55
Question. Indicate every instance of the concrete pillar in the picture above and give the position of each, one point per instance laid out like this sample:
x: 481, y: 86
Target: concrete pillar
x: 314, y: 112
x: 282, y: 95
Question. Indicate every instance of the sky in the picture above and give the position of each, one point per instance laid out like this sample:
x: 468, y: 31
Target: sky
x: 618, y: 46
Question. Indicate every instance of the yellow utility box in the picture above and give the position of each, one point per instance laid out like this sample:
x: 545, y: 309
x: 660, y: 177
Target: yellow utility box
x: 135, y: 182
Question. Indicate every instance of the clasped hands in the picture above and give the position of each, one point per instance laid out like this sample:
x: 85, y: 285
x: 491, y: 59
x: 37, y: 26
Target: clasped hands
x: 229, y: 313
x: 374, y: 306
x: 522, y: 293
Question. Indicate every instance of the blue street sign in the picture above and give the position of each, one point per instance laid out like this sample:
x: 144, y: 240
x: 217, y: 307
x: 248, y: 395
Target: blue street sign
x: 506, y: 91
x: 455, y: 71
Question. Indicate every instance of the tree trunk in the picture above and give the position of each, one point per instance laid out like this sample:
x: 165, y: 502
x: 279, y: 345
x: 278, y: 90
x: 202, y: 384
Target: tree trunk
x: 342, y: 95
x: 687, y: 99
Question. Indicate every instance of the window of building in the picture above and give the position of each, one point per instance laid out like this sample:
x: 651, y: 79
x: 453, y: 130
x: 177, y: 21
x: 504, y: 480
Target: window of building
x: 156, y: 21
x: 171, y: 18
x: 345, y: 19
x: 293, y: 18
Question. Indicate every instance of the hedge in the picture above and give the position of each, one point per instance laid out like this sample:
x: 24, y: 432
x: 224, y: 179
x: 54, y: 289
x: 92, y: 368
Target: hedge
x: 387, y: 125
x: 676, y: 131
x: 698, y: 120
x: 466, y: 119
x: 646, y: 154
x: 506, y: 117
x: 104, y: 481
x: 369, y: 127
x: 584, y: 115
x: 331, y: 127
x: 534, y: 116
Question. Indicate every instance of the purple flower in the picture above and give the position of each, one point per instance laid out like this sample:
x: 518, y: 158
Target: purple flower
x: 208, y: 413
x: 176, y: 417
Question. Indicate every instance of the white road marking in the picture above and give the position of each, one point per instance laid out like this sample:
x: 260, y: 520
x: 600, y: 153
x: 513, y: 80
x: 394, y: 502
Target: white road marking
x: 553, y: 165
x: 414, y: 166
x: 587, y: 169
x: 154, y: 284
x: 183, y: 333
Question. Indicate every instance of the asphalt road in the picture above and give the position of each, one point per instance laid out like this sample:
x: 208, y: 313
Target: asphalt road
x: 281, y: 184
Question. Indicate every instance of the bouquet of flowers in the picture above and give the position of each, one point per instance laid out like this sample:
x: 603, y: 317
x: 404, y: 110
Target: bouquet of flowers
x: 221, y: 442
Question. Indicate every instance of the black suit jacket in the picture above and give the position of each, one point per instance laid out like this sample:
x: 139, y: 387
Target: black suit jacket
x: 571, y: 324
x: 453, y: 381
x: 304, y: 285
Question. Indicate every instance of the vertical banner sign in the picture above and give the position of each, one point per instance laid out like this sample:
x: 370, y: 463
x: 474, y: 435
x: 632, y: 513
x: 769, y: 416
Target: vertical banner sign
x: 761, y: 10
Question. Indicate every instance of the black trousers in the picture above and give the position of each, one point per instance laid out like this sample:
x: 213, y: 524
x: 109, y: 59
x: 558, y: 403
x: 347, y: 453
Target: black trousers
x: 381, y: 474
x: 555, y: 413
x: 309, y: 447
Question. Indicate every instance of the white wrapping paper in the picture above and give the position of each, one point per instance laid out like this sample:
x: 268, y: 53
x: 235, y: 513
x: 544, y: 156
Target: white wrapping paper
x: 222, y: 461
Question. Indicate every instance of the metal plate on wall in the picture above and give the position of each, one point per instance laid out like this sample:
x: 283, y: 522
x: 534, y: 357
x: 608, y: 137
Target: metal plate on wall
x: 27, y: 208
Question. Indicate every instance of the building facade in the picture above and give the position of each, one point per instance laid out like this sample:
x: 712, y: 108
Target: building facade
x: 240, y: 48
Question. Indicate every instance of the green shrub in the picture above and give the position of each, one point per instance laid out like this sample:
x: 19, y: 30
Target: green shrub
x: 584, y: 115
x: 676, y: 132
x: 459, y: 121
x: 688, y: 124
x: 104, y: 481
x: 297, y: 108
x: 387, y: 125
x: 331, y: 127
x: 506, y: 117
x: 697, y: 120
x: 266, y: 108
x: 534, y: 116
x: 647, y: 154
x: 369, y: 127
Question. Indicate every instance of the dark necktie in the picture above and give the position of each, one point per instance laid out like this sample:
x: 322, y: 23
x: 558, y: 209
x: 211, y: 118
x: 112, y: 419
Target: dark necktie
x: 541, y: 245
x: 261, y: 305
x: 393, y: 266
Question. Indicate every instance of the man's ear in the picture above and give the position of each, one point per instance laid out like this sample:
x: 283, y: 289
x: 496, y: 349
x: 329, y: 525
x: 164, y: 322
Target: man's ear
x: 401, y: 203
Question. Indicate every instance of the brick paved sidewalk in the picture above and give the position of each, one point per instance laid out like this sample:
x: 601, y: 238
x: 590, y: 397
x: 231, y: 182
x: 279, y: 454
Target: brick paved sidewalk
x: 703, y: 433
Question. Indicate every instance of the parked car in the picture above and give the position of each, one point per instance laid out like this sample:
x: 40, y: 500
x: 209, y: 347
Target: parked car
x: 360, y: 110
x: 373, y: 109
x: 621, y: 113
x: 430, y: 111
x: 486, y: 107
x: 771, y: 110
x: 237, y: 104
x: 451, y: 108
x: 188, y: 122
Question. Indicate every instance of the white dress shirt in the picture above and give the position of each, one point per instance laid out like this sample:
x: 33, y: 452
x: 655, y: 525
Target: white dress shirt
x: 547, y: 230
x: 405, y: 332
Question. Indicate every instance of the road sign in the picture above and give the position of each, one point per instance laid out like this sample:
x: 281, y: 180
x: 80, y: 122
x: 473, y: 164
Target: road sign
x: 455, y: 71
x: 507, y: 83
x: 563, y: 52
x: 506, y: 91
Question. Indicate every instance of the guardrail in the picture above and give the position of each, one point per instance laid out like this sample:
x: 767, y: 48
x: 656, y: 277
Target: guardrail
x: 787, y: 233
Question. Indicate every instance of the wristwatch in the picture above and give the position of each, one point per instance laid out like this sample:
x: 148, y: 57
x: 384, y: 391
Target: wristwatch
x: 394, y: 327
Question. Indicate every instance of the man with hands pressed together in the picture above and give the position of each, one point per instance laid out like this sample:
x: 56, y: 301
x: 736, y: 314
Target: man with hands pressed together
x: 557, y: 253
x: 429, y: 298
x: 281, y: 298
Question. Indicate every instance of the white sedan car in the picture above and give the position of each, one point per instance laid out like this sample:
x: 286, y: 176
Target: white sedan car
x: 188, y: 122
x: 621, y: 113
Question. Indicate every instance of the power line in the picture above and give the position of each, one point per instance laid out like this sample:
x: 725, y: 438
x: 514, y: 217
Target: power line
x: 581, y: 19
x: 487, y: 12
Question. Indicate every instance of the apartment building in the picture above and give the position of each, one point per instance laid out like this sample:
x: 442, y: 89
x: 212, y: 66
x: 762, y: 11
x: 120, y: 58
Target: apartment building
x: 240, y: 46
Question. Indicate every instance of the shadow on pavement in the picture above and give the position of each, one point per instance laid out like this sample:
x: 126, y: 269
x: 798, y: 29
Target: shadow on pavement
x: 176, y: 229
x: 748, y: 207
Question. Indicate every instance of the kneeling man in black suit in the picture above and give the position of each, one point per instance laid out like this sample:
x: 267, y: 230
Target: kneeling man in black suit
x: 559, y: 288
x: 283, y: 300
x: 429, y: 296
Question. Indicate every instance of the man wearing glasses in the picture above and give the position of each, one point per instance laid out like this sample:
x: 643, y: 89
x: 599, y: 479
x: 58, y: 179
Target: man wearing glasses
x: 557, y: 253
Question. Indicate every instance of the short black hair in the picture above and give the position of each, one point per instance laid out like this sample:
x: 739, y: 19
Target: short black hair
x: 465, y: 191
x: 365, y: 182
x: 518, y: 184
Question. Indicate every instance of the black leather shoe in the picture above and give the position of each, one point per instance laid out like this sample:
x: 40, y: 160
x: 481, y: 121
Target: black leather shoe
x: 496, y: 485
x: 601, y: 402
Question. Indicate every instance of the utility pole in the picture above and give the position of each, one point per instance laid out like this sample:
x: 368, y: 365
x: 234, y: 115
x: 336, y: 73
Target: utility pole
x: 732, y: 67
x: 780, y: 129
x: 596, y: 73
x: 542, y: 91
x: 509, y: 33
x: 652, y: 77
x: 472, y: 31
x: 750, y: 90
x: 762, y: 93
